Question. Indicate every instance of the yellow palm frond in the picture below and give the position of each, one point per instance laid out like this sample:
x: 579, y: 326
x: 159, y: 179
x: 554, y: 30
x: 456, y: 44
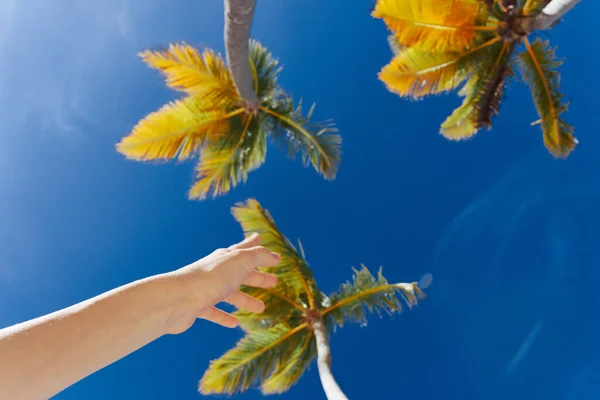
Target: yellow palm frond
x: 539, y: 63
x: 416, y: 74
x: 178, y: 129
x: 433, y: 25
x: 203, y: 75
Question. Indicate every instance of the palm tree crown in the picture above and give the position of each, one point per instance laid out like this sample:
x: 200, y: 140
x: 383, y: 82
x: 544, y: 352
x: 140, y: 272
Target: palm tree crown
x: 443, y: 44
x: 281, y: 342
x: 212, y: 121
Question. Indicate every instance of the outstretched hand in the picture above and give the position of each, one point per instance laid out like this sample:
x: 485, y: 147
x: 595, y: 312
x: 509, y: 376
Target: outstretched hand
x: 54, y: 351
x: 217, y: 278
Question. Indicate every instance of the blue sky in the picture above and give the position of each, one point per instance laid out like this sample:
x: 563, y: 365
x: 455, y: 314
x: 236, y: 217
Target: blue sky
x: 509, y: 233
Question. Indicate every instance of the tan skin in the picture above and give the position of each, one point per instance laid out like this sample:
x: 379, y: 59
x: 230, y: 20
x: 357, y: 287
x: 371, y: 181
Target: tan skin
x: 44, y: 356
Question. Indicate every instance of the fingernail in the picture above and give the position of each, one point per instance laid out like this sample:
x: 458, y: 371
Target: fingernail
x: 276, y: 255
x: 273, y: 281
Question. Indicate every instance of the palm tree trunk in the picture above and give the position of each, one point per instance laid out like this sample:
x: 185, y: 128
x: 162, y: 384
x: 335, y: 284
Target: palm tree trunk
x: 553, y: 12
x: 238, y: 22
x: 330, y: 386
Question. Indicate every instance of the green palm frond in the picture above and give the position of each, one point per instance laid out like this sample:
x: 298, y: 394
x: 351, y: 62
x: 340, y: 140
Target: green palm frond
x: 483, y: 93
x: 279, y: 308
x: 315, y: 141
x: 295, y: 279
x: 265, y: 69
x: 261, y: 354
x: 368, y: 294
x: 228, y: 161
x: 538, y: 64
x: 287, y: 374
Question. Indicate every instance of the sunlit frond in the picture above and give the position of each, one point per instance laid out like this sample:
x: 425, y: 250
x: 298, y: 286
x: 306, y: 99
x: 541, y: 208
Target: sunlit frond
x: 415, y: 74
x: 178, y: 129
x: 295, y: 279
x: 226, y: 163
x: 259, y: 355
x: 316, y: 142
x: 483, y: 93
x: 368, y: 294
x: 202, y: 75
x: 280, y: 308
x: 289, y: 372
x: 433, y: 25
x: 539, y: 63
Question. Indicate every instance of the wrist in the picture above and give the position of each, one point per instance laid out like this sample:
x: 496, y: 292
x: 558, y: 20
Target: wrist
x: 176, y: 306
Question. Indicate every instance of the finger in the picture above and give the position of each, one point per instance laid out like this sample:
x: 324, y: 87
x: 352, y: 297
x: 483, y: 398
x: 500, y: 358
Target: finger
x: 257, y: 256
x: 260, y: 280
x: 220, y: 317
x: 245, y: 302
x: 251, y: 241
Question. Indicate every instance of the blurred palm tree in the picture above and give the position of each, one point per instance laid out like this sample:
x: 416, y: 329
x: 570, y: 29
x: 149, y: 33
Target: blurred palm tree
x: 213, y: 121
x: 440, y: 45
x: 295, y: 326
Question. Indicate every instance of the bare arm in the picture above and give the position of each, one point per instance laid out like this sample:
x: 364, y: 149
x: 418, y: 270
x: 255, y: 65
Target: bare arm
x: 43, y: 356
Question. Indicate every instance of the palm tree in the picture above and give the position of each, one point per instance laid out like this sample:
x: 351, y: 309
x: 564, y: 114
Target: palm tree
x: 294, y: 328
x: 440, y: 45
x: 213, y: 121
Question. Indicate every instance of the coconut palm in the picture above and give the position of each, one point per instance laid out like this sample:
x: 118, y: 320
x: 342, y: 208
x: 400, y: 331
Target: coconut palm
x: 294, y: 328
x: 213, y: 121
x: 443, y: 44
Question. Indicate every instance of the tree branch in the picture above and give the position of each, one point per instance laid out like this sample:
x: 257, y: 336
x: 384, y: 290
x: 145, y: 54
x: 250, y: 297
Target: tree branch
x: 238, y: 22
x: 552, y: 13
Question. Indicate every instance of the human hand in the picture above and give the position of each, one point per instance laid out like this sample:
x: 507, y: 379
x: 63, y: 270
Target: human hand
x: 216, y: 278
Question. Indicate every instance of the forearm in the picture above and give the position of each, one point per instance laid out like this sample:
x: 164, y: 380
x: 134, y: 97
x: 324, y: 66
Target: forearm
x: 41, y: 357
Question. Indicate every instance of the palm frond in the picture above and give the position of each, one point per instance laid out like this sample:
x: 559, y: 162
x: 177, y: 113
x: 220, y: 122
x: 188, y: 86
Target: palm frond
x: 295, y: 279
x: 538, y: 64
x: 266, y: 68
x: 368, y: 294
x: 532, y: 8
x: 396, y: 47
x: 415, y: 74
x: 259, y: 355
x: 178, y: 129
x: 202, y: 75
x: 316, y: 142
x: 279, y: 308
x: 433, y: 25
x: 226, y: 163
x: 483, y: 93
x: 288, y: 373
